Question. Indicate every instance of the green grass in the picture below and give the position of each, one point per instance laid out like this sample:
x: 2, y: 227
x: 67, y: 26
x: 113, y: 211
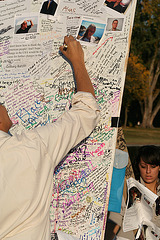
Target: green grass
x: 140, y: 136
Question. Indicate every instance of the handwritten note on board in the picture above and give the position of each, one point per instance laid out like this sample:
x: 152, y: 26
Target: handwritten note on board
x: 37, y: 85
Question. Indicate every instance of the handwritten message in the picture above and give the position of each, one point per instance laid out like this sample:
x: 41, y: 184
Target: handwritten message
x: 37, y: 85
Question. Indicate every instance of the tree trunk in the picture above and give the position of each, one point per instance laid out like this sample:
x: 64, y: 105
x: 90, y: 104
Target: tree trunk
x: 150, y: 113
x: 150, y: 106
x: 145, y: 114
x: 154, y: 113
x: 126, y: 116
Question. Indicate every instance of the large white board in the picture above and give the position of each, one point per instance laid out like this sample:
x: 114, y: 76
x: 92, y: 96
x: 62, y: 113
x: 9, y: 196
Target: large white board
x: 37, y: 84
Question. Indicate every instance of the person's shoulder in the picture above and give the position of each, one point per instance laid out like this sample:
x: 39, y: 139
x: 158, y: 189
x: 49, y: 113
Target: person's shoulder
x: 19, y: 30
x: 25, y: 134
x: 45, y: 2
x: 54, y: 3
x: 93, y: 40
x: 158, y: 187
x: 84, y: 39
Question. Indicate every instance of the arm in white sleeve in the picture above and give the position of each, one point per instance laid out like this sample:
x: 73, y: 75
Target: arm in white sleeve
x: 72, y: 126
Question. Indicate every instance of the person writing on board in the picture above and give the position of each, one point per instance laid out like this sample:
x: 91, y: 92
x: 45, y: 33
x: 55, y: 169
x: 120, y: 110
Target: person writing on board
x: 24, y: 27
x: 27, y: 160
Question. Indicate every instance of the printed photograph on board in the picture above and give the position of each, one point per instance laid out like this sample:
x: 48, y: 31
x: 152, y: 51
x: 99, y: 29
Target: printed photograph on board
x: 90, y: 32
x: 117, y: 5
x: 134, y: 196
x: 49, y: 7
x: 26, y: 24
x: 114, y: 24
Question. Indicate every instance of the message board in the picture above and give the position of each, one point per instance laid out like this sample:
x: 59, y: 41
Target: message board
x: 37, y: 84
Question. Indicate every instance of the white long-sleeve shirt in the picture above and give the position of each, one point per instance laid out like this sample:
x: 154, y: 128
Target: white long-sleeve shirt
x: 27, y: 162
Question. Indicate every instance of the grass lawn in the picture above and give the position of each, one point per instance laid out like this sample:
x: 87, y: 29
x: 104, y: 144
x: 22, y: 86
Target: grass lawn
x: 140, y: 136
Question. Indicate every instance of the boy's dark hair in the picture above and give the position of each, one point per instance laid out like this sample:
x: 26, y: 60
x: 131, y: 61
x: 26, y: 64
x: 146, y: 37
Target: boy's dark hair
x: 150, y: 154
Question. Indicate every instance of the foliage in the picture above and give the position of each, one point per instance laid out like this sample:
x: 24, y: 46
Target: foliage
x: 142, y: 79
x: 136, y: 79
x: 145, y: 37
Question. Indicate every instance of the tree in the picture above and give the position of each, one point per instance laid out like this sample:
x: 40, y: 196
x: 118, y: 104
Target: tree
x: 145, y: 44
x: 151, y: 104
x: 135, y: 87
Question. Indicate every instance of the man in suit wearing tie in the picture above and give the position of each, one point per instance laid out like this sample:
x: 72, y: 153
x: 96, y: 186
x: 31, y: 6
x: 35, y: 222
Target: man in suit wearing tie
x: 49, y: 7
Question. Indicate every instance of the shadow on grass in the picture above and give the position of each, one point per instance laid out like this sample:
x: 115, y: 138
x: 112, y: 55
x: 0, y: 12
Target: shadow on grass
x: 140, y: 136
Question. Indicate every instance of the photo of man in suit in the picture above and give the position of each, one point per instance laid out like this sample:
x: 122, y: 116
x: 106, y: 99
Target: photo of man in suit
x: 49, y: 7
